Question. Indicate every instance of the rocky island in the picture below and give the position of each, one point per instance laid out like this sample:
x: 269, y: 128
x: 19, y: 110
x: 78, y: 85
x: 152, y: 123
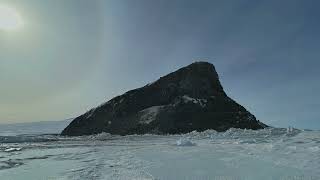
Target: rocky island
x: 188, y: 99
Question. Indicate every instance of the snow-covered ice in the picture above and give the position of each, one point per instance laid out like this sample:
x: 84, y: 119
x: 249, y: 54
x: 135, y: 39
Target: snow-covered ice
x: 235, y: 154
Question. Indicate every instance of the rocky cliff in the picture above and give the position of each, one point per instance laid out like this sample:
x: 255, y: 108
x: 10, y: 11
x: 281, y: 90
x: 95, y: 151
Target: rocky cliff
x: 188, y: 99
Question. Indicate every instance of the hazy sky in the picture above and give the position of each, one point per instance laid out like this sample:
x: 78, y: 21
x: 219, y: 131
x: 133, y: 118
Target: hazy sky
x: 72, y: 55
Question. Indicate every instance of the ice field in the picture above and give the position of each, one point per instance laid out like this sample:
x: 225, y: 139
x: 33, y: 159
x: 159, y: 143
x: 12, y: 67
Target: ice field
x: 275, y: 153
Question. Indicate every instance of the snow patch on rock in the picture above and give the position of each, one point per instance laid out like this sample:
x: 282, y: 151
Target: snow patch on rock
x: 90, y: 113
x: 251, y: 117
x: 148, y: 115
x: 201, y: 102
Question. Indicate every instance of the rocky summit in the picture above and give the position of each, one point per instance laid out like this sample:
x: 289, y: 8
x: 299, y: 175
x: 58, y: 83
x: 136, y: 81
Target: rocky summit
x: 188, y: 99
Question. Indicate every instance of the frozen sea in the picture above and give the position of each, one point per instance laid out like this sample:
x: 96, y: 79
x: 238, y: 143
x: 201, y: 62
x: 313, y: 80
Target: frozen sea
x: 34, y: 151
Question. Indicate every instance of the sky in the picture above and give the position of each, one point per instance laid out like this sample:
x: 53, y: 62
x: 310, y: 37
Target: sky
x: 70, y: 56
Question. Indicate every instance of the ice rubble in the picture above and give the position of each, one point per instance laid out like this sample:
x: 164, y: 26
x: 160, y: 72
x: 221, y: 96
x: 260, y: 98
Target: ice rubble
x: 185, y: 142
x: 12, y: 149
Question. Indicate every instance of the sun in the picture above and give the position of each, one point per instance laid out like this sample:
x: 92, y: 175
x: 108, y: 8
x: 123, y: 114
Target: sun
x: 9, y: 18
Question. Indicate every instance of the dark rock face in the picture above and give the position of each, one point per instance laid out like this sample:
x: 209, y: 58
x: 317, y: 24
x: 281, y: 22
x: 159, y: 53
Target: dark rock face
x: 188, y: 99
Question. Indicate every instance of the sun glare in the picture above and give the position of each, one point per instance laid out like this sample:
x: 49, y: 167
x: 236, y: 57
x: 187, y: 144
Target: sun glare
x: 9, y: 18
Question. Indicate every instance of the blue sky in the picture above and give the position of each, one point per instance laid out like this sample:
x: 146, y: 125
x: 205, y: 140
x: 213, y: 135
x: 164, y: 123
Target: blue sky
x: 73, y: 55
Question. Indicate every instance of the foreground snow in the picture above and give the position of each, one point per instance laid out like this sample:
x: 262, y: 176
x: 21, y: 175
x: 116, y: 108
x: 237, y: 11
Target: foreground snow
x: 235, y: 154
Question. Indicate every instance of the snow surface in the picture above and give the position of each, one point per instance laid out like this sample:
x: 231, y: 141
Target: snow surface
x: 234, y: 155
